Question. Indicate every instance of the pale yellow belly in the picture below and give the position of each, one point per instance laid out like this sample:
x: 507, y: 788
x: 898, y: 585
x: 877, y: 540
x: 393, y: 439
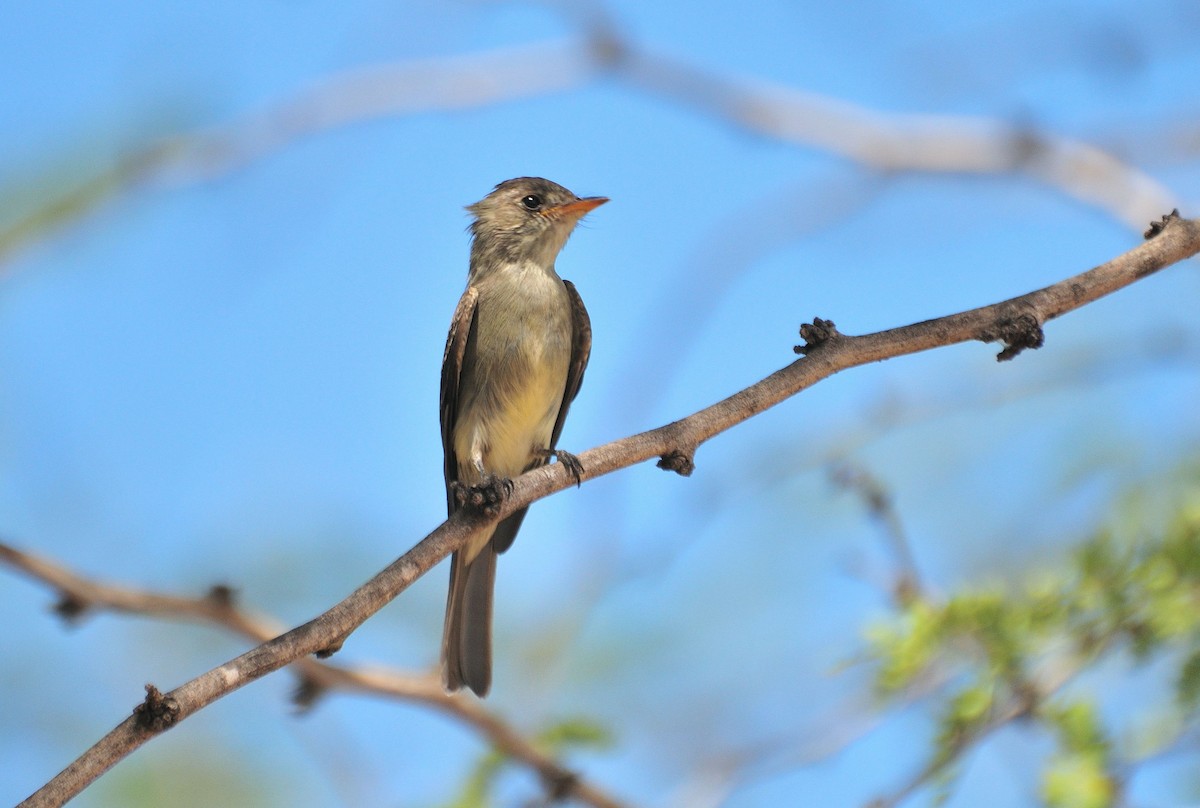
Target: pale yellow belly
x: 506, y: 436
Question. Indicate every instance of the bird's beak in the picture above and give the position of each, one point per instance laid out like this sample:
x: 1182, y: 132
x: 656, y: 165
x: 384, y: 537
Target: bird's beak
x: 577, y: 208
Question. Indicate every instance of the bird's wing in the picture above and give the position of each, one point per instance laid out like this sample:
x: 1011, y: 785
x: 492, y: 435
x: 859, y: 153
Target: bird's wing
x: 461, y: 327
x: 581, y: 349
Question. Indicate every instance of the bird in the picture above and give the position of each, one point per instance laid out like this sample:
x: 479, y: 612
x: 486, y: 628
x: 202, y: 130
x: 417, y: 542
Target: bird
x: 515, y: 356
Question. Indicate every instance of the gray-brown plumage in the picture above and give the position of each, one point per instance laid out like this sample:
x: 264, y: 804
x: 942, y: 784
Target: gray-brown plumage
x: 518, y: 345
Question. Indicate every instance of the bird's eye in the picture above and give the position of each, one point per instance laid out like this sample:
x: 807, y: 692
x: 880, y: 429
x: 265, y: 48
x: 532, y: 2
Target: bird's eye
x: 532, y: 202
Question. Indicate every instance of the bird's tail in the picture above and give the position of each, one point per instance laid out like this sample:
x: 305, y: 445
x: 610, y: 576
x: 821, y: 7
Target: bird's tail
x: 467, y: 636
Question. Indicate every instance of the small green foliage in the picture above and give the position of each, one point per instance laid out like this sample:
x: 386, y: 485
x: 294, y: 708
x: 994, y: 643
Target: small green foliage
x: 477, y: 787
x: 973, y: 704
x: 967, y: 712
x: 1077, y: 781
x: 556, y: 739
x: 574, y: 733
x: 905, y: 649
x: 1008, y: 651
x: 1078, y: 727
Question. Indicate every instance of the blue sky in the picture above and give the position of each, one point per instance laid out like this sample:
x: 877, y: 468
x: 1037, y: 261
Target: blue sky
x: 234, y: 378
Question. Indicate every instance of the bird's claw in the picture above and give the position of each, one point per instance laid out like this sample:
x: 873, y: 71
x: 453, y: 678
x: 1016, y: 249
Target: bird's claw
x: 569, y: 461
x: 486, y: 497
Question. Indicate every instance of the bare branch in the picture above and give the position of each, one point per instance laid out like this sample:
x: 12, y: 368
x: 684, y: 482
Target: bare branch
x: 1016, y: 322
x: 79, y: 595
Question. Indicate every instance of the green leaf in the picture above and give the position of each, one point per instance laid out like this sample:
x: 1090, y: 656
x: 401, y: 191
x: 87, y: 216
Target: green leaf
x: 476, y: 789
x: 966, y: 713
x: 905, y: 648
x: 572, y: 733
x: 1078, y: 727
x: 555, y: 740
x: 1077, y: 781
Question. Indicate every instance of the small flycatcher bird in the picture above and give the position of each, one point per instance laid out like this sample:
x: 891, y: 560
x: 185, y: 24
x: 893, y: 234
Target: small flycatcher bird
x: 515, y: 356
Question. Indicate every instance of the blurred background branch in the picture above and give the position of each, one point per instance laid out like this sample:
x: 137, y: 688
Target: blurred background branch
x: 879, y: 141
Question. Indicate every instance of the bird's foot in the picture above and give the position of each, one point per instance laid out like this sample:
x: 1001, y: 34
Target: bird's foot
x: 486, y: 497
x: 570, y: 461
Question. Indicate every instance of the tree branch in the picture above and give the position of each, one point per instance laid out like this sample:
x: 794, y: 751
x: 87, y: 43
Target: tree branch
x: 79, y: 595
x: 1016, y: 322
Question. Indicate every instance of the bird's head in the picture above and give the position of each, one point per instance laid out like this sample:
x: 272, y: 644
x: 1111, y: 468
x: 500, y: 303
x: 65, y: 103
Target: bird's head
x: 525, y: 219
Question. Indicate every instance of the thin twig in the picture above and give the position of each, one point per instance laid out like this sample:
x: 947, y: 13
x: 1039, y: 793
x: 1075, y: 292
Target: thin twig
x: 1016, y: 322
x: 906, y: 584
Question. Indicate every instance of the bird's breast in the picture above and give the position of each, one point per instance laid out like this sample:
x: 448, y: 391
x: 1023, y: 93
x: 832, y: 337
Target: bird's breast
x: 517, y: 363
